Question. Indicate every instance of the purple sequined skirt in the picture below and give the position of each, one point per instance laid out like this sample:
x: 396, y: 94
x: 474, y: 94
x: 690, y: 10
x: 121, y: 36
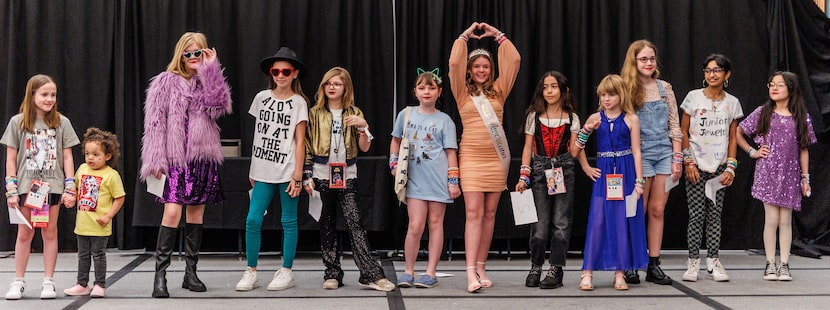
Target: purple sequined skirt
x: 198, y: 183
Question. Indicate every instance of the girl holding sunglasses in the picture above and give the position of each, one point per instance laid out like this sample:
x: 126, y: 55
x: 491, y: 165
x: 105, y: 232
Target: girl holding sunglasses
x: 281, y: 113
x: 337, y: 131
x: 710, y: 118
x: 181, y: 141
x: 782, y: 129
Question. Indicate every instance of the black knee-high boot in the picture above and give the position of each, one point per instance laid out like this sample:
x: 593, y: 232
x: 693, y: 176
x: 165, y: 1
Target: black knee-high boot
x: 192, y: 244
x: 164, y: 247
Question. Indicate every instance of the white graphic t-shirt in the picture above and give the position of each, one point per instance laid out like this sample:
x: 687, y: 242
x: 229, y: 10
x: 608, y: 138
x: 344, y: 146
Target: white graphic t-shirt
x: 272, y: 154
x: 709, y: 127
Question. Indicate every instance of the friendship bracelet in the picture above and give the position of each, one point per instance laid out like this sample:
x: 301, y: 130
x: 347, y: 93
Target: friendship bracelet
x: 69, y: 183
x: 503, y: 38
x: 640, y: 181
x: 640, y: 185
x: 453, y: 181
x: 393, y: 161
x: 464, y: 37
x: 451, y: 168
x: 525, y: 179
x: 307, y: 174
x: 730, y: 171
x: 751, y: 151
x: 12, y: 192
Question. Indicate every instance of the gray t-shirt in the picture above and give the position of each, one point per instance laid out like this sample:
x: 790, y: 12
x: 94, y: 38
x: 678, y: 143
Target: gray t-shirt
x: 40, y: 154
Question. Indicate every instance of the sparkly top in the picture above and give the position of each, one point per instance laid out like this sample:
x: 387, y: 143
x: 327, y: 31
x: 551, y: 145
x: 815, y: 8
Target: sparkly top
x: 777, y: 177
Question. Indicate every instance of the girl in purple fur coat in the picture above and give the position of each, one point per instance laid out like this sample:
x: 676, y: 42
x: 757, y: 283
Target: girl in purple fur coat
x: 181, y: 141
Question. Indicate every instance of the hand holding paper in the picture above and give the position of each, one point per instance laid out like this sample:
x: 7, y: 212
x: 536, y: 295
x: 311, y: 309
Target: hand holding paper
x: 524, y: 210
x: 712, y: 186
x: 671, y: 183
x: 155, y: 186
x: 315, y: 205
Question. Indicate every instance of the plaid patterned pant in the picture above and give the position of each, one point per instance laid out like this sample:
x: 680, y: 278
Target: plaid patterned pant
x: 704, y: 214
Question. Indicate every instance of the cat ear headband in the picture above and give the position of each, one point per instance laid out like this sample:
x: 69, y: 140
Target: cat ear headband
x: 434, y: 72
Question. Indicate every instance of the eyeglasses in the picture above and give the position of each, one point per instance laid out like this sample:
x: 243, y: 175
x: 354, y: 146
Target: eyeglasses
x: 333, y: 85
x: 285, y: 71
x: 774, y: 85
x: 192, y: 54
x: 713, y: 70
x: 647, y: 59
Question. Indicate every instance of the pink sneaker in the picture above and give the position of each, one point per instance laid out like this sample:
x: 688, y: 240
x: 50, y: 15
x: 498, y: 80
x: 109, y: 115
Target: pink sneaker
x: 98, y: 291
x: 76, y: 290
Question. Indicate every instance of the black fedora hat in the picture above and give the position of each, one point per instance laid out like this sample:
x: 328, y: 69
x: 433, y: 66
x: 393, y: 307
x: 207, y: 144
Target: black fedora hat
x: 285, y: 54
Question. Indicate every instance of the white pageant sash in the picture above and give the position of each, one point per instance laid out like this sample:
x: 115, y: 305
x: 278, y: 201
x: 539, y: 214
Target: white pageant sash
x: 491, y: 122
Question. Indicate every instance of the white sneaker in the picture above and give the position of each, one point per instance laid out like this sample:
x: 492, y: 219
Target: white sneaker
x: 16, y: 290
x: 249, y: 280
x: 715, y: 271
x: 48, y: 290
x: 331, y: 284
x: 692, y: 269
x: 283, y: 279
x: 382, y: 285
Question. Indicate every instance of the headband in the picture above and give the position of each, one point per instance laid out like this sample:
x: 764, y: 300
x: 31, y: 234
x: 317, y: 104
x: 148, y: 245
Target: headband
x: 434, y: 72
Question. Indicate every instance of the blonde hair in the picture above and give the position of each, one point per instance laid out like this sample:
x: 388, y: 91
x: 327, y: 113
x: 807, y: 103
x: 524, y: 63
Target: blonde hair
x: 348, y: 88
x: 176, y: 64
x: 629, y: 71
x: 614, y: 84
x: 29, y: 109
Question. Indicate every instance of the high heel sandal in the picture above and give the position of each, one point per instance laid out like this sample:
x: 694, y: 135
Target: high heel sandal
x: 585, y: 282
x: 619, y: 282
x: 473, y: 288
x: 484, y: 282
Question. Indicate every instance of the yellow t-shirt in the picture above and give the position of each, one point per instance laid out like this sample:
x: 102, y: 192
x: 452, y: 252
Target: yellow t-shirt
x: 96, y: 191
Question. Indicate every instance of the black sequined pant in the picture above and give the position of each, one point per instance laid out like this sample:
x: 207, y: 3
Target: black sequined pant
x: 346, y: 200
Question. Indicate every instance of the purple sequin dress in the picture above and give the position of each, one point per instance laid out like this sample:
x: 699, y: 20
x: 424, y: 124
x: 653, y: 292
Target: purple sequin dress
x: 198, y: 183
x: 777, y: 177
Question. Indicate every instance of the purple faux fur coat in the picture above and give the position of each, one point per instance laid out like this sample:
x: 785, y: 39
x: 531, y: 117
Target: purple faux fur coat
x: 170, y: 100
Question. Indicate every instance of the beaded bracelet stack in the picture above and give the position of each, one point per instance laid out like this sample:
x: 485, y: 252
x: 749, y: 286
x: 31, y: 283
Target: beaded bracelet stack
x: 582, y: 137
x: 640, y: 183
x: 731, y: 165
x: 805, y: 178
x: 453, y: 176
x: 11, y: 186
x: 524, y: 175
x: 688, y: 159
x: 500, y: 38
x: 677, y: 158
x: 69, y: 186
x: 393, y: 161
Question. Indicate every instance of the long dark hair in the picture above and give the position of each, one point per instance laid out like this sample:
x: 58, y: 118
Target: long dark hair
x: 795, y: 106
x: 538, y: 103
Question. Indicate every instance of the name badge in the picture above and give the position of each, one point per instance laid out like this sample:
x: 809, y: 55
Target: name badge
x: 40, y: 217
x: 556, y: 181
x: 337, y: 175
x: 614, y: 187
x: 38, y: 191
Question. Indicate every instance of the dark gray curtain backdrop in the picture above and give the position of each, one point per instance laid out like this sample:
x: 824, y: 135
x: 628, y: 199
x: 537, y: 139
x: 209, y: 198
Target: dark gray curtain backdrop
x: 103, y: 53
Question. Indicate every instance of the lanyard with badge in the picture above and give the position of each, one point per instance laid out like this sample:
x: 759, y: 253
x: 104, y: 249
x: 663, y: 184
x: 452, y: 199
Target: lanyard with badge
x: 554, y: 176
x: 337, y: 168
x: 36, y: 199
x: 613, y: 181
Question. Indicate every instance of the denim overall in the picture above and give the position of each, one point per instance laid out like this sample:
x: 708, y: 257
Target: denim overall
x: 655, y: 143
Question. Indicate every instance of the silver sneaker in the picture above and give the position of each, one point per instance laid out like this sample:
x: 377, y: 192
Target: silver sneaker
x: 382, y: 285
x: 283, y: 279
x: 715, y: 270
x: 249, y: 280
x: 16, y: 290
x: 770, y: 273
x: 784, y: 272
x: 692, y: 269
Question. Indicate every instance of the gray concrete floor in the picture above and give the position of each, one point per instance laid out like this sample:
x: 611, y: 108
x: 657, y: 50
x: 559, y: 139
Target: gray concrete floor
x: 130, y: 280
